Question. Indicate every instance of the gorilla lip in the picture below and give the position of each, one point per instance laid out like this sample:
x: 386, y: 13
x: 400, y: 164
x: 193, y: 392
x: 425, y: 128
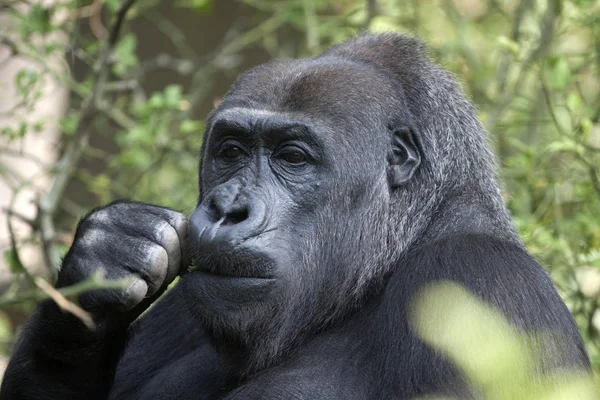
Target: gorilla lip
x: 218, y: 262
x: 217, y: 275
x: 220, y: 274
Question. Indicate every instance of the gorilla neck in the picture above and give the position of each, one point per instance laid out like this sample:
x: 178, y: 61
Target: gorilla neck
x: 247, y: 354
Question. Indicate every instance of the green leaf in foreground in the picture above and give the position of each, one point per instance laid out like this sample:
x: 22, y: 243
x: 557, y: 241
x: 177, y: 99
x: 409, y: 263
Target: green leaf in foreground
x: 499, y: 360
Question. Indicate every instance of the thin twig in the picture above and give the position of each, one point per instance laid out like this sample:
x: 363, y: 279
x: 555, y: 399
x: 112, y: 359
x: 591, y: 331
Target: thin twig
x: 173, y: 33
x: 310, y: 21
x: 593, y: 173
x: 549, y: 105
x: 507, y: 96
x: 19, y: 216
x: 43, y: 290
x: 371, y: 12
x: 26, y: 156
x: 95, y: 19
x: 16, y: 258
x: 65, y: 304
x: 209, y: 64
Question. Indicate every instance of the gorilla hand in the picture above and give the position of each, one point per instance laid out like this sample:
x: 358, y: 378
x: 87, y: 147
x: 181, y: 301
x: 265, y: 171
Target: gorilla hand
x: 142, y: 242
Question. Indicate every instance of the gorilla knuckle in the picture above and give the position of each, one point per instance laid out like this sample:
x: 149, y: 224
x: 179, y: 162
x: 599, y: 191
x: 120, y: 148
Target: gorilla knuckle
x: 180, y: 223
x: 92, y: 237
x: 101, y: 216
x: 169, y: 239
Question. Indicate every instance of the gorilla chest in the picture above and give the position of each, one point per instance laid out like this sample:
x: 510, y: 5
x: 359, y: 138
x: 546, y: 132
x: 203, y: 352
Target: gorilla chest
x: 190, y: 377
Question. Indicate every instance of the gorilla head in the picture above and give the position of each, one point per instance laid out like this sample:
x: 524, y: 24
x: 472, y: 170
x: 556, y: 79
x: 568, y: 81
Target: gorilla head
x: 317, y: 176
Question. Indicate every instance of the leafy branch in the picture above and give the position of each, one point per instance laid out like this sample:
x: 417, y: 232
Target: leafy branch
x: 64, y: 297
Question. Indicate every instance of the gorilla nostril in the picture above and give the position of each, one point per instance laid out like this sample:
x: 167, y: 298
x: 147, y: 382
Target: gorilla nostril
x: 214, y: 211
x: 235, y: 217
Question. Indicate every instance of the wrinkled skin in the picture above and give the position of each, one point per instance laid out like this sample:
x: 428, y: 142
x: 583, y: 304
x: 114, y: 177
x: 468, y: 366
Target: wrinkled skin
x: 332, y: 190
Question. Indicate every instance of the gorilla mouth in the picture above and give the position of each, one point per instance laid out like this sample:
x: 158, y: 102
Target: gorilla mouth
x: 238, y: 264
x: 241, y: 280
x: 221, y: 274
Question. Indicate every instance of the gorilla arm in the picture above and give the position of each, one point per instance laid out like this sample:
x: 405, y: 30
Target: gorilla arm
x: 168, y: 356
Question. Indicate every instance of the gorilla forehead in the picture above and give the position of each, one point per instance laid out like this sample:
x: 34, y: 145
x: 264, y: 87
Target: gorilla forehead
x: 329, y: 89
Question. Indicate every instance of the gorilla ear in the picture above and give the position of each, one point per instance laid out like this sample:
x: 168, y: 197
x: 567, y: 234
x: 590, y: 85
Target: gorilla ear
x: 404, y: 158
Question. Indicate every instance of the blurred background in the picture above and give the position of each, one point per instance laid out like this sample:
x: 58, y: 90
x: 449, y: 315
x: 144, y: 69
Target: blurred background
x: 106, y: 99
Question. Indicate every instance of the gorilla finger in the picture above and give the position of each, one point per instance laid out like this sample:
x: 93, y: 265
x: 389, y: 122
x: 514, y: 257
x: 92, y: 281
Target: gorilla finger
x: 171, y: 243
x: 161, y: 231
x: 151, y: 265
x: 179, y: 222
x: 120, y: 299
x: 134, y: 294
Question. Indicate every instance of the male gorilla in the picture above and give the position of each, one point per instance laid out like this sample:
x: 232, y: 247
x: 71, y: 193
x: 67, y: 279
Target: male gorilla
x: 332, y: 190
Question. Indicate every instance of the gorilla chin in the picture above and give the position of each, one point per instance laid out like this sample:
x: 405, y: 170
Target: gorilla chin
x: 229, y: 278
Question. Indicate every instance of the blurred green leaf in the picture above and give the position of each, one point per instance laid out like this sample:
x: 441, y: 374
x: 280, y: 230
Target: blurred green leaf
x: 190, y: 126
x: 564, y: 145
x: 502, y: 362
x: 172, y: 96
x: 125, y: 57
x: 508, y: 44
x: 196, y: 5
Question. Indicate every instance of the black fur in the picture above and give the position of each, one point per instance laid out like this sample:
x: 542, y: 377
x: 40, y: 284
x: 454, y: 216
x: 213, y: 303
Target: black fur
x: 332, y: 190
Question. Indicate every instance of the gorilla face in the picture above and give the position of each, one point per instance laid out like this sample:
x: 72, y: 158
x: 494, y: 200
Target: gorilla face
x: 293, y: 224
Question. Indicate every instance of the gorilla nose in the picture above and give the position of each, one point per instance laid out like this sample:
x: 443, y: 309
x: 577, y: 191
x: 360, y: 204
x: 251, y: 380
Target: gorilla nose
x: 228, y: 214
x: 227, y: 217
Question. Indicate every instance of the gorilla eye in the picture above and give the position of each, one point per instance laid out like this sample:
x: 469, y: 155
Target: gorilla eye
x: 293, y: 156
x: 231, y: 153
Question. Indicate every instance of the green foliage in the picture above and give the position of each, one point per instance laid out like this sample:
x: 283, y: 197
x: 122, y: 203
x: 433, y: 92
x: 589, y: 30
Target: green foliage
x: 36, y: 21
x: 125, y: 58
x: 197, y: 5
x: 501, y: 362
x: 113, y: 5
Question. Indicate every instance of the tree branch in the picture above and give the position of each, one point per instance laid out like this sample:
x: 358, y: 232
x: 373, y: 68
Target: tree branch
x: 310, y: 22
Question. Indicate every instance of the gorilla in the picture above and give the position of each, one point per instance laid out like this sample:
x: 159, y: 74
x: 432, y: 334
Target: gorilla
x: 332, y: 190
